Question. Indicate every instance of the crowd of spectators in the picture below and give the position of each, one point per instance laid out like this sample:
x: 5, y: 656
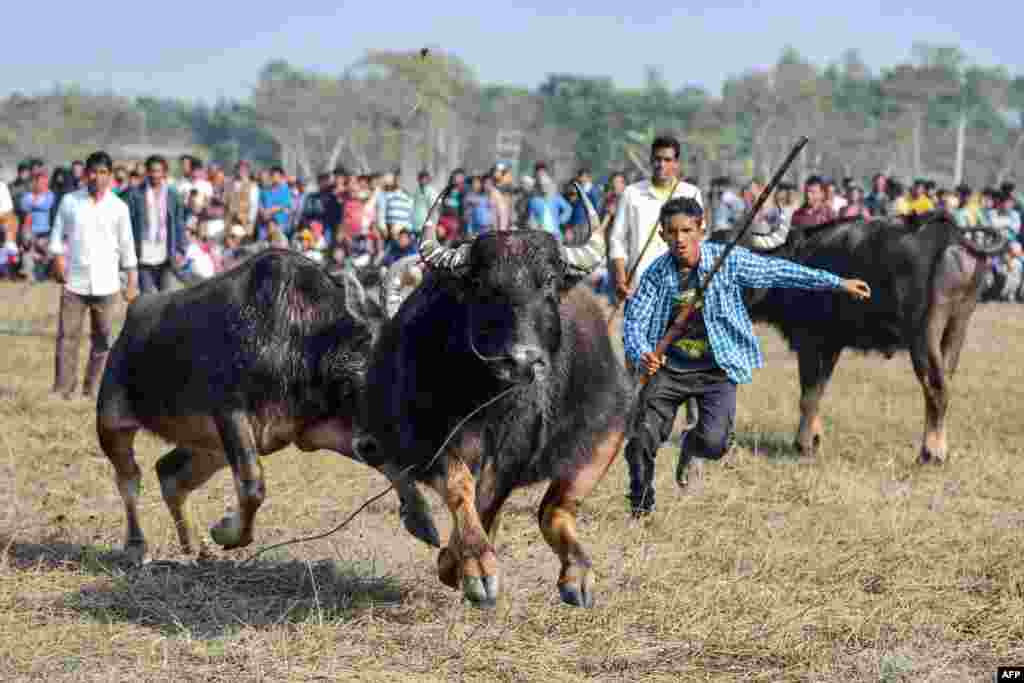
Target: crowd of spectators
x: 204, y: 218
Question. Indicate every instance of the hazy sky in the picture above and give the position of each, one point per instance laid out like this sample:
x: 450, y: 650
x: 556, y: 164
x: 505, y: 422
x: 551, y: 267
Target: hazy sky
x: 207, y: 49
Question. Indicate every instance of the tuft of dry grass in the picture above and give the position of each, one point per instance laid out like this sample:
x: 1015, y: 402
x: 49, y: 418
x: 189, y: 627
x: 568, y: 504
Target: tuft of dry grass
x: 854, y: 565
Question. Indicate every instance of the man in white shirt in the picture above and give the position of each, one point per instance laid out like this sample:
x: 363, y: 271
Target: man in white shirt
x: 6, y: 203
x: 637, y: 216
x: 91, y: 240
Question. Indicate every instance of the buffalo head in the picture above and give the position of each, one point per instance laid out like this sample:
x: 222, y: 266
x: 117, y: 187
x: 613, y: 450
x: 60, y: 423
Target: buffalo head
x: 510, y: 285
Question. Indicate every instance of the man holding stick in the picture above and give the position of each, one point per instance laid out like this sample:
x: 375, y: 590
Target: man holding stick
x: 715, y: 350
x: 635, y: 243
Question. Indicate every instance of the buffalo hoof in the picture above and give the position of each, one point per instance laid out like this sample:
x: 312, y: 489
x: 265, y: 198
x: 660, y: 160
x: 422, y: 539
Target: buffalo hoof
x: 227, y: 533
x: 418, y: 521
x: 481, y: 591
x: 578, y: 595
x: 926, y: 457
x: 448, y: 568
x: 135, y: 553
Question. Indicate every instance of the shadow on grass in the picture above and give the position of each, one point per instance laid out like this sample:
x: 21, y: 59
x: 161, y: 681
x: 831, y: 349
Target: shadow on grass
x: 214, y: 598
x: 773, y: 446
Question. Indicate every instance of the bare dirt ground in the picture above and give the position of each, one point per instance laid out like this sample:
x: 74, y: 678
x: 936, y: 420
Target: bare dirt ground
x: 854, y: 565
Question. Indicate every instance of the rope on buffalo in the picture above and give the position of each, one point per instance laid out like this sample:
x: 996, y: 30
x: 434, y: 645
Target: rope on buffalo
x: 402, y: 474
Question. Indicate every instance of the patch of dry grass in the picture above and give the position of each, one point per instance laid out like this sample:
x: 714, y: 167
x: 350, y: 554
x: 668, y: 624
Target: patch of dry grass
x: 855, y: 565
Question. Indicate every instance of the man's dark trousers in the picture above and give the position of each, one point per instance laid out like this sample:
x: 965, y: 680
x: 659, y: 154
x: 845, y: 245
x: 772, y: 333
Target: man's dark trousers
x: 660, y: 400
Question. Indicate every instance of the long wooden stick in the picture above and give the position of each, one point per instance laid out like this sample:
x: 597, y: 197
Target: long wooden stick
x: 678, y: 325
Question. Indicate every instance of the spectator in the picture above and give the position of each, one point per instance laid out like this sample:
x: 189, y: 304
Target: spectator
x: 816, y: 209
x: 856, y: 208
x: 198, y: 264
x: 585, y: 179
x: 77, y: 170
x: 450, y: 223
x: 37, y: 206
x: 276, y: 202
x: 638, y: 212
x: 322, y: 206
x: 91, y: 238
x: 899, y: 199
x: 398, y: 209
x: 1007, y: 205
x: 232, y: 252
x: 242, y: 199
x: 403, y: 246
x: 10, y: 255
x: 422, y: 200
x: 548, y: 210
x: 877, y: 201
x: 504, y: 197
x: 158, y: 228
x: 833, y: 198
x: 479, y: 210
x: 728, y: 208
x: 920, y: 202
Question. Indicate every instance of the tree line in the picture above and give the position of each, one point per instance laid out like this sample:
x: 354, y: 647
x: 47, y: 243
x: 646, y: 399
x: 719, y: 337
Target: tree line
x: 939, y: 115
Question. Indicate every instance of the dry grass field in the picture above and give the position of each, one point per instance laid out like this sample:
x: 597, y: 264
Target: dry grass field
x: 855, y: 565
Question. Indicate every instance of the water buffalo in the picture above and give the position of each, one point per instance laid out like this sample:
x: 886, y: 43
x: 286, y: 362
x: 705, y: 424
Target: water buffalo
x: 270, y: 353
x: 501, y: 312
x: 925, y: 276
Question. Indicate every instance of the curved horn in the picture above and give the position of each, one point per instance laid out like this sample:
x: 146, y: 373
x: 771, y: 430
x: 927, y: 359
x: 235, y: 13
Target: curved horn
x: 582, y: 260
x: 1002, y: 241
x: 403, y: 273
x: 434, y: 254
x: 774, y: 239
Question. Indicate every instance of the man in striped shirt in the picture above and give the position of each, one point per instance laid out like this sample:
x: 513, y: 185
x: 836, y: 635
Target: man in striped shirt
x: 717, y: 350
x: 394, y: 208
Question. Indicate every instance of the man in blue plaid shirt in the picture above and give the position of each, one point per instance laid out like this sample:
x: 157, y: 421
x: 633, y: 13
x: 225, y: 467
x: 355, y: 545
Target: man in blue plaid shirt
x: 716, y: 351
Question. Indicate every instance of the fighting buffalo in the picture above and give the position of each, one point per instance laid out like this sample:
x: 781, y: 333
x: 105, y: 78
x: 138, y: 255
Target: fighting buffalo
x: 925, y: 276
x: 501, y: 332
x: 268, y: 354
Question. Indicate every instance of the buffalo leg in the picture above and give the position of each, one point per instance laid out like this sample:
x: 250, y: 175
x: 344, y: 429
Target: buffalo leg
x: 336, y: 434
x: 182, y: 471
x: 236, y: 529
x: 953, y: 340
x: 492, y: 492
x: 117, y: 445
x: 557, y: 517
x: 469, y: 553
x: 929, y: 365
x: 816, y: 368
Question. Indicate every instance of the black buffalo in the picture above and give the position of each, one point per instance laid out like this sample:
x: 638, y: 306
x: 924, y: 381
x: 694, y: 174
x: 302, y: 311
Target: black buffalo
x: 925, y: 276
x: 502, y: 312
x: 270, y: 353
